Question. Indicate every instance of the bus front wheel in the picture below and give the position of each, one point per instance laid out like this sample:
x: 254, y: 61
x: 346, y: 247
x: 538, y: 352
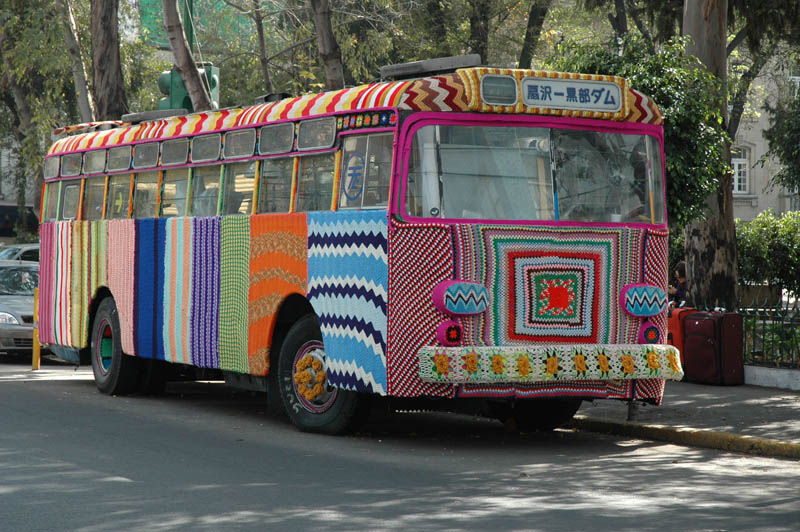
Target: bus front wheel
x: 310, y: 401
x: 115, y: 373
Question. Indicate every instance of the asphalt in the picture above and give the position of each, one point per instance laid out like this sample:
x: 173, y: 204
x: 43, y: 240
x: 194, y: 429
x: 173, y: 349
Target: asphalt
x: 743, y: 419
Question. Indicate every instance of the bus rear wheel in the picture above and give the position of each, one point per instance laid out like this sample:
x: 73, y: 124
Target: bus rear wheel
x: 537, y: 414
x: 115, y: 373
x: 310, y: 401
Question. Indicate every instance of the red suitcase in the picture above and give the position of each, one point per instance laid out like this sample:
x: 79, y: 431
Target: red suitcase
x: 713, y: 348
x: 675, y: 323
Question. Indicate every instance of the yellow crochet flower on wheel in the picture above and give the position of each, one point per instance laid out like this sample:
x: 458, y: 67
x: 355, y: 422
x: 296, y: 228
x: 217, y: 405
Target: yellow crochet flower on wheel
x: 498, y: 364
x: 523, y: 366
x: 628, y: 366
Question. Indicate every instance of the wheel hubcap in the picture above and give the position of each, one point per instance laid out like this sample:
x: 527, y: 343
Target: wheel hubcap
x: 310, y: 379
x: 104, y: 346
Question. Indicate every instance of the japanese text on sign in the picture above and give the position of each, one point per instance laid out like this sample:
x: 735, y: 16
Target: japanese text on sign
x: 582, y: 95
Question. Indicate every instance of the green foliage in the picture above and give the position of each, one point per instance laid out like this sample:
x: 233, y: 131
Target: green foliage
x: 783, y: 136
x: 688, y: 97
x: 769, y: 250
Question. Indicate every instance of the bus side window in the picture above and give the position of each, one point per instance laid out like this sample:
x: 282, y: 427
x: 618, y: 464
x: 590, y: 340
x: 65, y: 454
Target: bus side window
x: 275, y: 187
x: 119, y: 192
x: 173, y: 193
x: 93, y: 198
x: 366, y: 169
x: 205, y: 190
x: 51, y: 208
x: 145, y: 195
x: 70, y: 199
x: 239, y: 184
x: 315, y: 183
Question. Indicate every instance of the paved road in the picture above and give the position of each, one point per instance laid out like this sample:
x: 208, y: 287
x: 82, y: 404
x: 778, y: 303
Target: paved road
x: 203, y: 457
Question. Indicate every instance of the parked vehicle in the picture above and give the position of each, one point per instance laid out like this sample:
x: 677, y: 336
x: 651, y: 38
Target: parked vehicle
x: 17, y: 282
x: 28, y: 252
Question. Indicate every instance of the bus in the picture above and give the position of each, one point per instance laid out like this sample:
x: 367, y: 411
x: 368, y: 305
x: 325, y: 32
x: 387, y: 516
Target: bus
x: 484, y: 233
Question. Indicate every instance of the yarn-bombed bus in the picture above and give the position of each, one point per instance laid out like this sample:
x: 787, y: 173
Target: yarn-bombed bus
x: 485, y: 233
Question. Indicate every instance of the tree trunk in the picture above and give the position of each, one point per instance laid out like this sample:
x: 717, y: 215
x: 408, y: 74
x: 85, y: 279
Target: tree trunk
x: 258, y: 19
x: 711, y: 243
x: 326, y: 42
x: 619, y: 21
x: 109, y: 87
x: 536, y: 16
x: 25, y: 134
x: 184, y: 61
x: 479, y: 28
x: 84, y: 97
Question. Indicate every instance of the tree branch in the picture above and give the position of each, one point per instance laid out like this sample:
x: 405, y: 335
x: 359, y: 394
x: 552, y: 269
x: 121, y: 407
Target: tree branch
x: 737, y: 40
x: 743, y: 87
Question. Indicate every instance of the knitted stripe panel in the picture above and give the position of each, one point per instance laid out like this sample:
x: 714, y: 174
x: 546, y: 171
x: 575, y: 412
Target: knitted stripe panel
x: 120, y: 267
x: 205, y: 296
x: 234, y: 280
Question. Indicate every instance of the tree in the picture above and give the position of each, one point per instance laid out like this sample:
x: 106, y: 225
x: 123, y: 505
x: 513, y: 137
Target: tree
x: 536, y: 16
x: 109, y: 88
x: 689, y: 100
x: 783, y: 136
x: 329, y: 50
x: 184, y: 60
x: 82, y: 92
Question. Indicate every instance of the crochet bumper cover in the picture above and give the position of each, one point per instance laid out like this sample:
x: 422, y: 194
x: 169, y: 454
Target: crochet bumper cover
x: 547, y: 363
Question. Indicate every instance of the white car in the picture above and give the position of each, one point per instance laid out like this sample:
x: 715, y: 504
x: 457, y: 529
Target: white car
x: 17, y: 282
x: 29, y: 252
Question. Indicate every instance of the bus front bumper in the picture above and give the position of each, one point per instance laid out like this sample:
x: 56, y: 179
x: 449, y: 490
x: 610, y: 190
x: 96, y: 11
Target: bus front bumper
x: 548, y: 363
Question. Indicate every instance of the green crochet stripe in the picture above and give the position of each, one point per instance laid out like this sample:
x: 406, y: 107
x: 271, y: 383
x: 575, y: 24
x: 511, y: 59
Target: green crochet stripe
x: 234, y: 271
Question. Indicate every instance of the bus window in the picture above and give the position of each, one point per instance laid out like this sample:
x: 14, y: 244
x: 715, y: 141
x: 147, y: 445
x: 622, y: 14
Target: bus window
x: 51, y: 208
x: 93, y: 198
x: 602, y: 177
x: 275, y: 188
x: 119, y: 192
x: 94, y: 162
x: 205, y: 190
x: 70, y: 198
x: 239, y: 182
x: 145, y: 195
x: 315, y: 183
x: 366, y: 168
x: 173, y: 192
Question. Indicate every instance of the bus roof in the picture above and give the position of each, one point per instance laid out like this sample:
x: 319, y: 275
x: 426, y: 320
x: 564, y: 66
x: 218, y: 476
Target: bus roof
x: 479, y: 89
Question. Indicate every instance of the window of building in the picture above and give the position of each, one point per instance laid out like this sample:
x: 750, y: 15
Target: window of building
x: 366, y: 168
x: 145, y: 195
x: 275, y: 187
x: 239, y: 185
x: 173, y: 192
x: 740, y: 161
x: 93, y: 193
x: 315, y: 183
x: 118, y: 198
x: 70, y: 199
x: 205, y: 190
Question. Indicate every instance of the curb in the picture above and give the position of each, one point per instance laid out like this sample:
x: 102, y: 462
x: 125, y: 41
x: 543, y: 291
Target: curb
x: 723, y: 441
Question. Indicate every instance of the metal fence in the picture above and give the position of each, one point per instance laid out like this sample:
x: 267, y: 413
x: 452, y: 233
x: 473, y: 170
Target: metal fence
x: 772, y: 334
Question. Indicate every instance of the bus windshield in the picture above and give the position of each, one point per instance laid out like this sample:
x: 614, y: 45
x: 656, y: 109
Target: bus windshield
x: 533, y: 173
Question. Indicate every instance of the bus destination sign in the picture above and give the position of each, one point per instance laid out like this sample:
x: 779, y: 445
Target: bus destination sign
x: 573, y: 94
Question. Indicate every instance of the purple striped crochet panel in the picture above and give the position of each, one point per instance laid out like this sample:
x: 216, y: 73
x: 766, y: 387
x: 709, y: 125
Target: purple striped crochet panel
x: 205, y: 292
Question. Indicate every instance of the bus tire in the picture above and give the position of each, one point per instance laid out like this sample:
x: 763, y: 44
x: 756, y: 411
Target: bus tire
x: 537, y: 414
x: 115, y: 373
x: 311, y: 403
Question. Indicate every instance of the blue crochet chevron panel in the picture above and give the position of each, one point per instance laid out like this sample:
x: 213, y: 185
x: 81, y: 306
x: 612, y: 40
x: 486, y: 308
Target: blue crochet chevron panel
x: 347, y: 285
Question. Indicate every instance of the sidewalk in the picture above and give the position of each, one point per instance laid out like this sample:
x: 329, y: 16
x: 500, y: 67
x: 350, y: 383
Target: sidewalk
x: 747, y: 419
